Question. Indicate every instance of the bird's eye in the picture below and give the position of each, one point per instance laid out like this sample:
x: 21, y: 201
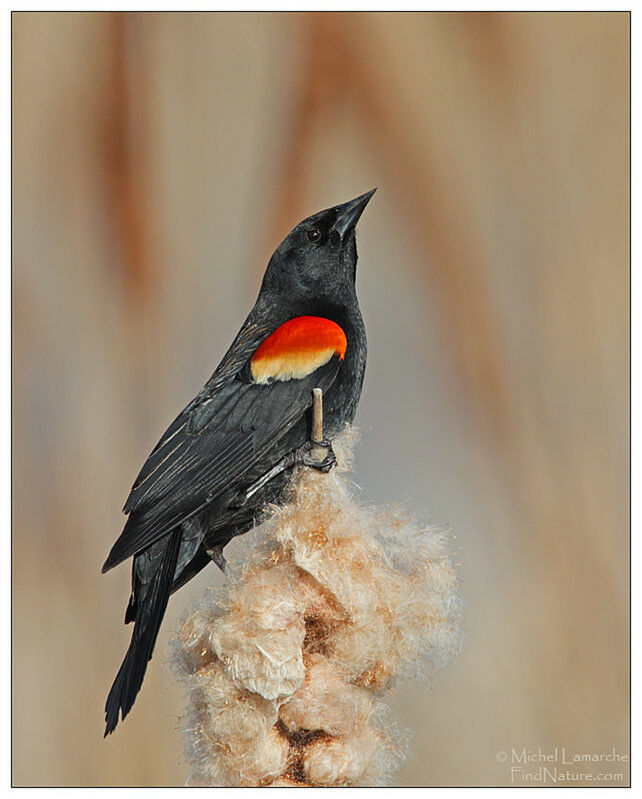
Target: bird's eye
x: 314, y: 234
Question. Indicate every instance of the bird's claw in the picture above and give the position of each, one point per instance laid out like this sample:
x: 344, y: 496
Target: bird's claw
x: 310, y: 455
x: 216, y: 554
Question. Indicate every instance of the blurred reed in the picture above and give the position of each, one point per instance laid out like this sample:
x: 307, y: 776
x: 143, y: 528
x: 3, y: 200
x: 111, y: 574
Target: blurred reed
x: 156, y: 159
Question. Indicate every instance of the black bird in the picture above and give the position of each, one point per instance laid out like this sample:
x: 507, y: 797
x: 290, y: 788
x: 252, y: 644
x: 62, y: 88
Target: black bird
x: 231, y: 450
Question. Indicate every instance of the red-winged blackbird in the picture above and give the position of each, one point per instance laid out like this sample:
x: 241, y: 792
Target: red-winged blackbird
x: 231, y: 450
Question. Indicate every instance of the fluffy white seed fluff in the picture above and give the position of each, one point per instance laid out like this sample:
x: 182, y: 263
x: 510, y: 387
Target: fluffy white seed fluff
x: 329, y: 604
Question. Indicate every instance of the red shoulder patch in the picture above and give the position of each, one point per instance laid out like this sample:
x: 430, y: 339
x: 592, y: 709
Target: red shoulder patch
x: 297, y: 348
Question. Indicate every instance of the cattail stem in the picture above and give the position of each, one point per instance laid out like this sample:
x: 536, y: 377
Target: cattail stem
x: 318, y: 452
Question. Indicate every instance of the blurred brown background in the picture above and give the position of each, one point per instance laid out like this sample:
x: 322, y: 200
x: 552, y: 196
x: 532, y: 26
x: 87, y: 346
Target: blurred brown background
x: 157, y: 160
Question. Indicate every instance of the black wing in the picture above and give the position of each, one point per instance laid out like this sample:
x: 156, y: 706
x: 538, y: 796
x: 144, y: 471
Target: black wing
x: 218, y: 437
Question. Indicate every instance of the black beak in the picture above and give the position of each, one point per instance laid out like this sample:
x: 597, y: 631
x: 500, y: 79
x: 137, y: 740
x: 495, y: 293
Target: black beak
x: 348, y: 214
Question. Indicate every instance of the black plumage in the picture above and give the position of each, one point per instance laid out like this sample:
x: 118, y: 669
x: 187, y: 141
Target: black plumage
x: 205, y: 481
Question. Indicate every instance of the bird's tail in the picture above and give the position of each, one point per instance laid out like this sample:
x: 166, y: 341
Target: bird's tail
x: 150, y: 609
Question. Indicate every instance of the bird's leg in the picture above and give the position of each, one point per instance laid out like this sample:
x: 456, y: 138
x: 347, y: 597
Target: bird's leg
x: 307, y: 455
x: 285, y: 463
x: 216, y: 554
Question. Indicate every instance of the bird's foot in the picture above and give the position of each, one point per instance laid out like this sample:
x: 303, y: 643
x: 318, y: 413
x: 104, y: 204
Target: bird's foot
x: 310, y: 454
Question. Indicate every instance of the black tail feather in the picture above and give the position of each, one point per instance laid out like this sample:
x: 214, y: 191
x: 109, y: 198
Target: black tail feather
x: 150, y: 609
x: 132, y: 608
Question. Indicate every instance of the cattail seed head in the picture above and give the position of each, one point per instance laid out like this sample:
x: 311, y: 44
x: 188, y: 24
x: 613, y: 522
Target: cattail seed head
x: 329, y: 605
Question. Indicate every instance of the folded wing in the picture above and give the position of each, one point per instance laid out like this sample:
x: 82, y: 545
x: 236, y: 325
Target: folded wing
x: 209, y: 447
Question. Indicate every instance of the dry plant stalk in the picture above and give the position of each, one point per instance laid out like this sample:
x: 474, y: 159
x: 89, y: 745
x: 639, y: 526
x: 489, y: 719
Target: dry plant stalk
x: 329, y: 604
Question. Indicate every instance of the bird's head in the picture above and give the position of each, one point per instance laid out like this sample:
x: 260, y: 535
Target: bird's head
x: 318, y: 258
